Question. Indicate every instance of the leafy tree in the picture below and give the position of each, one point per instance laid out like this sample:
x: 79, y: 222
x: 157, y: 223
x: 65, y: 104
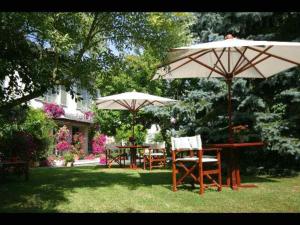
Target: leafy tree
x: 32, y: 127
x: 269, y: 107
x: 137, y: 68
x: 47, y: 49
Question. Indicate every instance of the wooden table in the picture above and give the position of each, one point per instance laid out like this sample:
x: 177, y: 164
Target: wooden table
x: 133, y: 149
x: 21, y: 166
x: 233, y: 178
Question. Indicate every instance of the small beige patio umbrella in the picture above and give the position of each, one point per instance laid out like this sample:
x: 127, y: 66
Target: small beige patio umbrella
x: 230, y: 58
x: 131, y: 101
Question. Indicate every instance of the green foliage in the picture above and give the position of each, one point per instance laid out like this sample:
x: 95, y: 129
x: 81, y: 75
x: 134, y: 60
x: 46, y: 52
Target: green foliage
x: 33, y: 122
x: 48, y: 49
x: 158, y: 137
x: 68, y: 157
x: 268, y: 107
x: 124, y: 132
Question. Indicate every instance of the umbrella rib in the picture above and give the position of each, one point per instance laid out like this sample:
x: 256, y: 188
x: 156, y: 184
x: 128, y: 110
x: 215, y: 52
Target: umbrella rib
x: 141, y: 105
x: 218, y: 61
x: 187, y: 56
x: 276, y: 56
x: 209, y: 67
x: 127, y: 106
x: 98, y: 103
x: 250, y: 61
x: 133, y: 104
x: 251, y: 64
x: 201, y: 54
x: 239, y: 62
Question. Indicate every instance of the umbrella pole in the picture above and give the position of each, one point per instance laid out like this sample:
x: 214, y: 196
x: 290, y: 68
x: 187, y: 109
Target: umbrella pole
x: 230, y: 130
x: 133, y: 122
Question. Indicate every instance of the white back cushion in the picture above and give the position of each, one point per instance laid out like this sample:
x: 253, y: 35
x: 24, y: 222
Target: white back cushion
x: 187, y: 143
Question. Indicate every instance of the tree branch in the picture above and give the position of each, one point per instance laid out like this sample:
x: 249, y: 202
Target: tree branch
x: 25, y: 98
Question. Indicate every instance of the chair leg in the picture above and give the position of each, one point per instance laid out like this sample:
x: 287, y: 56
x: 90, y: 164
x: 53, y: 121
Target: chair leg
x: 144, y: 162
x: 174, y: 176
x: 201, y: 180
x: 219, y: 177
x: 150, y: 162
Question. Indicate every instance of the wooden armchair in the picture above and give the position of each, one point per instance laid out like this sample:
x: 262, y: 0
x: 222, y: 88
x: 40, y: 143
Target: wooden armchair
x: 192, y: 165
x: 155, y: 155
x: 114, y: 154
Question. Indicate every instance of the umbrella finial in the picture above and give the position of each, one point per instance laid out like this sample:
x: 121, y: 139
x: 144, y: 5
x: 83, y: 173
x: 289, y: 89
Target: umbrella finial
x: 229, y: 36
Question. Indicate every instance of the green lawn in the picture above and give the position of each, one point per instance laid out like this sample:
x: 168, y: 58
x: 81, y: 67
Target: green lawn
x: 94, y: 189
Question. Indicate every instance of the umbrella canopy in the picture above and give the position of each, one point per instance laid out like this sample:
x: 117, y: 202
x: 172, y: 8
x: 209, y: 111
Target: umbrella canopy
x: 230, y: 58
x: 132, y: 101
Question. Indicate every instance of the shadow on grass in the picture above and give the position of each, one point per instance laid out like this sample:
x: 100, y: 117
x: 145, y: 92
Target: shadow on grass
x: 47, y: 187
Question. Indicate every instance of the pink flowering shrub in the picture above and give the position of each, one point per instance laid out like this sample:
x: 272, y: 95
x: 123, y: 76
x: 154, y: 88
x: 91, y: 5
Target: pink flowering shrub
x: 88, y: 115
x: 78, y: 139
x: 98, y: 143
x: 102, y: 160
x: 90, y: 157
x: 63, y: 137
x: 63, y: 146
x: 53, y: 110
x: 77, y: 145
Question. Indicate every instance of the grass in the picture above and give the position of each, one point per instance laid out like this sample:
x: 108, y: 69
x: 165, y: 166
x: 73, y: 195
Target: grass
x: 95, y: 189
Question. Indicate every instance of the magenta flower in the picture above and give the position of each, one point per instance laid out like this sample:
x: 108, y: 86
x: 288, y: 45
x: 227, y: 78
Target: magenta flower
x: 98, y: 143
x: 63, y: 146
x: 63, y: 138
x: 102, y: 160
x: 53, y: 110
x: 88, y: 115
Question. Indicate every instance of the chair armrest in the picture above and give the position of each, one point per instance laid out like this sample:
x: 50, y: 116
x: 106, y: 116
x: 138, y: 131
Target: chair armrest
x: 212, y: 149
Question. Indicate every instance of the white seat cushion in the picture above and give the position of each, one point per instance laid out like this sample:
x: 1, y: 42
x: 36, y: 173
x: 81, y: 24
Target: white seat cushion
x: 204, y: 159
x: 209, y: 160
x: 187, y: 159
x: 154, y: 154
x: 209, y: 156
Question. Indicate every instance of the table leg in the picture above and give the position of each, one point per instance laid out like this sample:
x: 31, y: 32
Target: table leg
x: 124, y: 156
x: 238, y: 176
x: 227, y: 157
x: 233, y: 168
x: 134, y: 159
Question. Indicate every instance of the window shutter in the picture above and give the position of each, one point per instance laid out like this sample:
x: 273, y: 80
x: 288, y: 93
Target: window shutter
x: 63, y: 95
x: 79, y: 102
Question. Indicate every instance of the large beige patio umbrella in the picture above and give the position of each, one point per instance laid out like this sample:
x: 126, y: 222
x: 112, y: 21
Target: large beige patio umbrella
x: 131, y: 101
x: 230, y: 58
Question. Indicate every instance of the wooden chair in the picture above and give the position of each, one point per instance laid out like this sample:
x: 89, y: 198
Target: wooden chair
x: 155, y: 155
x: 188, y: 165
x: 114, y: 154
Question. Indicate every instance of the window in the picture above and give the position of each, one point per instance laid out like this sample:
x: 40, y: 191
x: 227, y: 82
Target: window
x: 85, y: 101
x: 50, y: 96
x: 63, y: 95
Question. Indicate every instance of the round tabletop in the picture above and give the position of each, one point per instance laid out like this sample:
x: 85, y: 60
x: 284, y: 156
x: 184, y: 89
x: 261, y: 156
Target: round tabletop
x: 237, y: 145
x: 133, y: 146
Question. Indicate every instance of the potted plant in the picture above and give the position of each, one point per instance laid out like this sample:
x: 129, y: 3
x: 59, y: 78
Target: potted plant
x: 59, y: 161
x: 69, y: 159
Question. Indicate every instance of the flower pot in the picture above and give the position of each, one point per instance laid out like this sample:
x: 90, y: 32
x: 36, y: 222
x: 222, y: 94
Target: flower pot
x: 76, y: 157
x: 36, y: 164
x: 69, y: 164
x: 59, y: 163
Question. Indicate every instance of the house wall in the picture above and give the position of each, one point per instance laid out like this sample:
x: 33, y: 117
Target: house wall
x: 72, y: 110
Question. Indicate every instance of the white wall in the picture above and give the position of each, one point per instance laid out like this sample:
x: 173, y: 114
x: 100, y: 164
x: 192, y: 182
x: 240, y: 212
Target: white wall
x: 70, y: 108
